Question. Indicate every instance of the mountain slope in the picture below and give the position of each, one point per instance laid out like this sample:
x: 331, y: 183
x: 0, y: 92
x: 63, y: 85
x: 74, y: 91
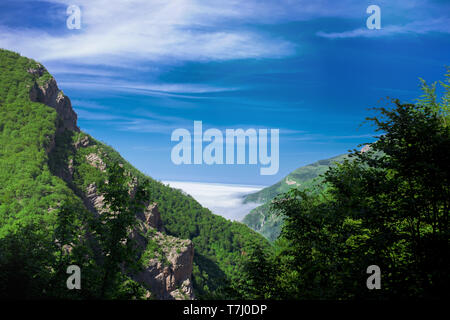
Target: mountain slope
x: 45, y: 160
x: 267, y: 223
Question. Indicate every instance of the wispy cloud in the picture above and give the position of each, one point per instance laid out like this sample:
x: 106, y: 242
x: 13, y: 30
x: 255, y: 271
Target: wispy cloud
x: 77, y: 70
x: 122, y: 32
x: 140, y: 121
x: 97, y: 116
x: 419, y: 27
x: 180, y: 90
x: 148, y: 126
x: 88, y: 105
x: 324, y: 137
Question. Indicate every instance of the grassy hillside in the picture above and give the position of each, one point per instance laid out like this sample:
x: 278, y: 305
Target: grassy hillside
x: 306, y: 177
x: 35, y: 182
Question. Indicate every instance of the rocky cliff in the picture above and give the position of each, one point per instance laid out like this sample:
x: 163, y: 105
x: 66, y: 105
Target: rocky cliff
x: 46, y: 91
x: 168, y: 268
x: 168, y: 260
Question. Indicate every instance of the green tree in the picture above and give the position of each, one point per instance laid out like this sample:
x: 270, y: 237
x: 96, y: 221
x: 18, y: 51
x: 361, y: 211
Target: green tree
x: 429, y: 98
x: 259, y: 271
x: 388, y: 206
x: 113, y: 229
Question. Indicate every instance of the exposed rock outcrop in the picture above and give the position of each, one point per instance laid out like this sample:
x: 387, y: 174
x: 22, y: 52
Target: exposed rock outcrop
x: 49, y: 94
x: 38, y: 71
x: 153, y: 217
x: 365, y: 148
x: 168, y: 260
x: 93, y: 200
x: 94, y: 160
x: 290, y: 182
x: 168, y: 270
x: 82, y: 142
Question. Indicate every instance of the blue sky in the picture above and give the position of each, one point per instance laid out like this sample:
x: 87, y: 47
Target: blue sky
x: 137, y: 70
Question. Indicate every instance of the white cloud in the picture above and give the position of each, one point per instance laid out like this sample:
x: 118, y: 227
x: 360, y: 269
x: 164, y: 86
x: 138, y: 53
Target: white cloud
x: 91, y: 72
x: 124, y: 32
x: 222, y: 199
x: 322, y: 137
x: 148, y: 125
x: 96, y: 116
x: 88, y: 105
x: 178, y: 90
x: 135, y: 121
x: 419, y: 27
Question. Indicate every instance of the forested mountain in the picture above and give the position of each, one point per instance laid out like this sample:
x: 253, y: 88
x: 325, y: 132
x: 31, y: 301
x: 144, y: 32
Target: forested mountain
x: 56, y: 209
x: 304, y: 177
x: 265, y: 221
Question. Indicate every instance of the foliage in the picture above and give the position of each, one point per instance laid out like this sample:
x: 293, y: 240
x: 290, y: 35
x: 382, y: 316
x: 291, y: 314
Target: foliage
x: 113, y: 229
x: 429, y: 98
x: 37, y: 216
x: 388, y: 206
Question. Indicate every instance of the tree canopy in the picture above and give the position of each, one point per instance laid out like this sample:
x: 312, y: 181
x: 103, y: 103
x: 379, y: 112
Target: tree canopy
x: 388, y: 206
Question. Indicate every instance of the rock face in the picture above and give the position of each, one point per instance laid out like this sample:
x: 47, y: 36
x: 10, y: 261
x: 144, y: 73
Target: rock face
x: 49, y: 94
x: 168, y: 260
x: 290, y: 182
x: 94, y: 160
x: 153, y: 217
x: 93, y: 200
x: 83, y: 142
x: 365, y: 148
x: 168, y: 271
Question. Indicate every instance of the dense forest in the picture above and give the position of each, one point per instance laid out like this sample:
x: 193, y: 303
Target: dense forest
x: 388, y: 206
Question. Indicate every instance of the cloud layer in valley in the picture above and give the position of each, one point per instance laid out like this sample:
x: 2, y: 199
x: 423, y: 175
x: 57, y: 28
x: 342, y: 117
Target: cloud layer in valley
x: 222, y: 199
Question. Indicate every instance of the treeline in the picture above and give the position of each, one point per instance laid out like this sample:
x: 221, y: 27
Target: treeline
x: 387, y: 207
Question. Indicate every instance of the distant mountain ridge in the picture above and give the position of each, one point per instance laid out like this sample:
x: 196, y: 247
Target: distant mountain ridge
x: 261, y: 219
